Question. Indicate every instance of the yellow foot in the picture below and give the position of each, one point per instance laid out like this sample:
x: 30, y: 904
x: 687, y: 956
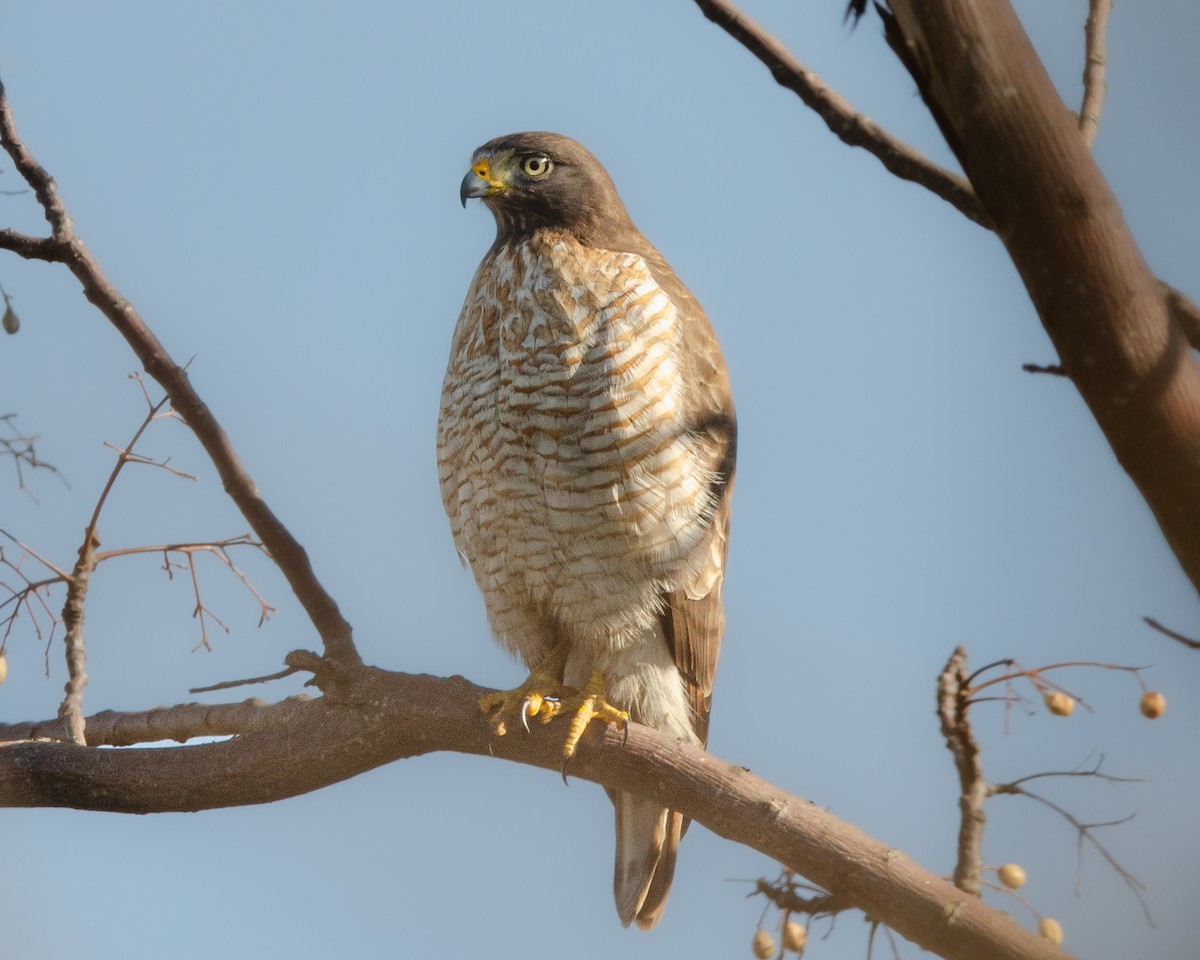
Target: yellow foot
x: 538, y: 697
x: 588, y: 706
x: 543, y: 696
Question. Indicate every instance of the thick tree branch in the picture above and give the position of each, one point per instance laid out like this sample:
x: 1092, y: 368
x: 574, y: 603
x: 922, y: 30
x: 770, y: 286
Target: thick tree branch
x: 378, y: 717
x: 66, y: 248
x: 1050, y: 205
x: 182, y: 722
x: 904, y: 161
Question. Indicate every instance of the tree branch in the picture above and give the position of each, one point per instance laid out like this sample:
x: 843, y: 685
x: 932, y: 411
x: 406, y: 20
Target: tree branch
x: 851, y: 127
x: 953, y: 701
x: 1095, y: 64
x: 1041, y: 189
x: 1174, y: 635
x: 66, y: 248
x: 377, y: 717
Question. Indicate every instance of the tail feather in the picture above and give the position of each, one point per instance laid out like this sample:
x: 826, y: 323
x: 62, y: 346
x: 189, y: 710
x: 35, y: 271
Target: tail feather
x: 647, y: 845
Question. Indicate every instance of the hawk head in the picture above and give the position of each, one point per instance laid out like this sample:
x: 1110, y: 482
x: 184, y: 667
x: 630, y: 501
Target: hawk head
x: 537, y: 181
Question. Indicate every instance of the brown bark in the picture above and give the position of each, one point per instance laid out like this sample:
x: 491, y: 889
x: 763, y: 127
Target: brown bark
x: 378, y: 717
x: 1047, y: 200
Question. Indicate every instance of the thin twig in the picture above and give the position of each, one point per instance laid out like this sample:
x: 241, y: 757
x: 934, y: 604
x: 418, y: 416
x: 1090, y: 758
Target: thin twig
x: 1053, y: 369
x: 1167, y: 632
x: 1085, y: 833
x: 66, y: 248
x: 1094, y: 85
x: 20, y: 447
x: 1093, y: 772
x: 74, y: 609
x: 228, y: 684
x: 848, y: 125
x: 1035, y: 674
x: 783, y: 893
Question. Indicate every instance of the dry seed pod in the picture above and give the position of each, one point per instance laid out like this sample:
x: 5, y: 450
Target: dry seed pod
x: 763, y: 945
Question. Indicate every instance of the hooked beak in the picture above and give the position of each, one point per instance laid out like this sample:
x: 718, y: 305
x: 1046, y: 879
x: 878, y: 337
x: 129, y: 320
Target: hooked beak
x: 479, y: 182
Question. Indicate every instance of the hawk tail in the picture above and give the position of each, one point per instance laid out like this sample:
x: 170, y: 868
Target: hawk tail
x: 647, y: 844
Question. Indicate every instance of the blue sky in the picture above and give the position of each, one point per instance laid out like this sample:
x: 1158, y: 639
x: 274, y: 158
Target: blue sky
x: 275, y: 187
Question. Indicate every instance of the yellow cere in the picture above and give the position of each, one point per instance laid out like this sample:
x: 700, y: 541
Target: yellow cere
x: 483, y: 170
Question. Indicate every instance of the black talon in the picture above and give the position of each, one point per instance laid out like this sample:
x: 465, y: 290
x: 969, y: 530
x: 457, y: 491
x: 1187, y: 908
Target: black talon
x: 563, y: 770
x: 625, y: 734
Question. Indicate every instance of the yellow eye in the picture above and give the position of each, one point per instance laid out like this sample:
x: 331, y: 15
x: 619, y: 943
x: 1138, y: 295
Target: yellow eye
x: 536, y: 166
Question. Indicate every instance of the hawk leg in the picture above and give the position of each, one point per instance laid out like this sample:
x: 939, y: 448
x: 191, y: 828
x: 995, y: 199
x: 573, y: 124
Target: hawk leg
x: 543, y: 696
x: 588, y: 706
x: 539, y: 696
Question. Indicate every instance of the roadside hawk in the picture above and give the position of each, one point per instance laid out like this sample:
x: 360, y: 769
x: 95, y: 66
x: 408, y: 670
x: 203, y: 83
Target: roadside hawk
x: 586, y: 447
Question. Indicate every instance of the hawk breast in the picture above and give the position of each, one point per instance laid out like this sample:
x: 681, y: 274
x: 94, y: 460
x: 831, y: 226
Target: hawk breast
x: 565, y: 464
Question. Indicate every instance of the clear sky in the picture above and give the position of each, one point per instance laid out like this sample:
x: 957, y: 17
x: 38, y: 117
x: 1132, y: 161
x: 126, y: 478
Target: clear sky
x: 275, y: 187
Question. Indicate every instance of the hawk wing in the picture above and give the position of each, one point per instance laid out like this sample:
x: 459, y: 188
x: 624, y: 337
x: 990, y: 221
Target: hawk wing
x: 693, y: 619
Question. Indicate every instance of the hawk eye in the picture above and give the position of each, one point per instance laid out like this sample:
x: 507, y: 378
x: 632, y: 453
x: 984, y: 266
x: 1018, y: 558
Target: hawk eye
x: 536, y: 166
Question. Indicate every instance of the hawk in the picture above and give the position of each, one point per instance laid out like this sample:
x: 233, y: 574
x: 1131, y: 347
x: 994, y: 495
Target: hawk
x: 586, y: 445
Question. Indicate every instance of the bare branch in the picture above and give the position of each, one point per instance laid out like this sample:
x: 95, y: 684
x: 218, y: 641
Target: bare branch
x: 1109, y: 333
x: 66, y: 248
x: 953, y: 702
x: 784, y: 893
x: 1186, y: 641
x: 851, y: 127
x: 229, y: 684
x: 1053, y: 369
x: 1036, y: 675
x: 1060, y: 223
x: 181, y: 723
x: 1094, y: 86
x: 20, y: 447
x: 1078, y: 772
x: 74, y: 609
x: 377, y: 717
x: 1085, y: 835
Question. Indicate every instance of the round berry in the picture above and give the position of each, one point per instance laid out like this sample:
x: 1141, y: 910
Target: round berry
x: 1012, y: 876
x: 1153, y: 704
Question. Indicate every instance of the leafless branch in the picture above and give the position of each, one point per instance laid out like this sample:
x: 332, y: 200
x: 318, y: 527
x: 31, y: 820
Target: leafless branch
x: 1121, y: 346
x: 1037, y: 675
x: 1053, y: 369
x: 953, y: 703
x: 63, y: 246
x: 25, y: 595
x: 1085, y: 832
x: 75, y: 607
x: 784, y: 893
x: 229, y: 684
x: 1094, y: 86
x: 371, y: 717
x: 20, y: 446
x: 71, y: 711
x: 1165, y: 631
x: 1094, y: 771
x: 850, y: 126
